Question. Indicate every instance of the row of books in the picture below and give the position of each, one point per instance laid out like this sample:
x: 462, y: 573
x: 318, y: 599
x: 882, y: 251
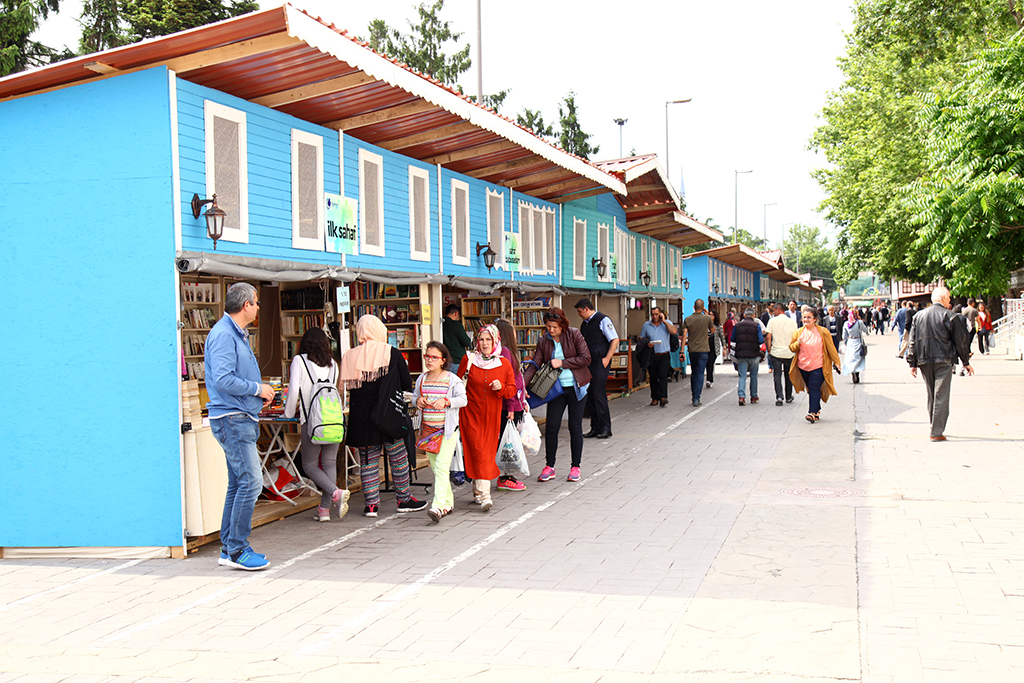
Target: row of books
x: 200, y: 318
x: 373, y: 290
x: 404, y: 338
x: 298, y: 324
x: 528, y: 318
x: 194, y: 344
x: 200, y: 292
x: 529, y: 337
x: 306, y: 299
x: 481, y: 306
x: 196, y: 370
x: 399, y: 313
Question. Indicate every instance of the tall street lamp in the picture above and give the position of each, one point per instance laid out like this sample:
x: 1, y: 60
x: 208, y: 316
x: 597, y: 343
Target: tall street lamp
x: 668, y: 167
x: 736, y: 205
x: 621, y: 123
x: 766, y: 222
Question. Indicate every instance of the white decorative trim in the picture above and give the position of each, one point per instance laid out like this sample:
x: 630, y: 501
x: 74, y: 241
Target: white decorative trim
x: 461, y: 185
x: 317, y: 143
x: 499, y: 260
x: 422, y: 174
x: 364, y: 246
x: 579, y: 261
x: 236, y: 229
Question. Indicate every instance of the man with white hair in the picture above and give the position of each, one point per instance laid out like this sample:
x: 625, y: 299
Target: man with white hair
x: 937, y: 338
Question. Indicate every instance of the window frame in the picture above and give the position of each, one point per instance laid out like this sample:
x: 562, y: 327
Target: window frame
x: 364, y: 246
x: 577, y: 258
x: 317, y: 142
x: 457, y: 185
x: 417, y: 173
x: 499, y: 248
x: 211, y: 109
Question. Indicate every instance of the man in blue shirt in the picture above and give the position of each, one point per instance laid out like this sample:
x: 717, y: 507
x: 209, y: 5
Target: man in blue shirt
x: 237, y: 395
x: 602, y: 342
x: 658, y: 329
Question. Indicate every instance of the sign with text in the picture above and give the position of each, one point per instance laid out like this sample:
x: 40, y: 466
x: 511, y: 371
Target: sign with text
x: 342, y: 219
x: 344, y: 302
x: 512, y: 251
x: 613, y: 268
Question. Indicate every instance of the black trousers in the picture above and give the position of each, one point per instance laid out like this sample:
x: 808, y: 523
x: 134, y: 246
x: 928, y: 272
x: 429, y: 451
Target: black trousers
x: 556, y: 409
x: 657, y: 373
x: 597, y: 399
x: 780, y: 373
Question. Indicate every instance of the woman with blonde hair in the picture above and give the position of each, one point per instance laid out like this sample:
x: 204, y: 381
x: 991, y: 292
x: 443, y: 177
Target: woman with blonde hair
x: 811, y: 368
x: 489, y: 381
x: 363, y: 372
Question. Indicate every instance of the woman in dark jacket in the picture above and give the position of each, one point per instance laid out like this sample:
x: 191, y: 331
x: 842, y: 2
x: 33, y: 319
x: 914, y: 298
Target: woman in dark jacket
x: 364, y: 370
x: 564, y: 348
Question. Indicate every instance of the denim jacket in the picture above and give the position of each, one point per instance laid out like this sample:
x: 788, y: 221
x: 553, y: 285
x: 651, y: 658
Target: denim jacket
x: 232, y: 373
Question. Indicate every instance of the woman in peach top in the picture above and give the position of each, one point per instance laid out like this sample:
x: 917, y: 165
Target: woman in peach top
x: 815, y: 356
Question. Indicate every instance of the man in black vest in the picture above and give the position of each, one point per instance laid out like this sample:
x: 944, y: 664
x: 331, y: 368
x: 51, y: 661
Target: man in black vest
x: 747, y: 339
x: 602, y: 341
x: 834, y: 325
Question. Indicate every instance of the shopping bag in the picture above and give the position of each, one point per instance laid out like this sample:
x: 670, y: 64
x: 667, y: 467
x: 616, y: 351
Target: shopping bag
x: 510, y: 457
x: 430, y: 439
x: 457, y: 470
x: 529, y: 434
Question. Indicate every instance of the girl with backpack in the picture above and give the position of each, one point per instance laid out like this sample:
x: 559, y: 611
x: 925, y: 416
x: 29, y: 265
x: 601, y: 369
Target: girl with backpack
x: 313, y: 364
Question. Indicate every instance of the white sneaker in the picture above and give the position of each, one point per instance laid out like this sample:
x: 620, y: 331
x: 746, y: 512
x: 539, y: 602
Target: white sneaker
x: 485, y: 505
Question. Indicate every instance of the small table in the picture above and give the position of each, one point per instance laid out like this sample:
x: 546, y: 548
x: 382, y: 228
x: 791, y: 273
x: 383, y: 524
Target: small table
x: 273, y: 427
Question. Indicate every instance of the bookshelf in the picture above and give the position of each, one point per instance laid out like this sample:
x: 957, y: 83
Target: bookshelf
x: 528, y: 319
x: 202, y: 305
x: 302, y: 308
x: 403, y: 310
x: 620, y: 370
x: 478, y: 311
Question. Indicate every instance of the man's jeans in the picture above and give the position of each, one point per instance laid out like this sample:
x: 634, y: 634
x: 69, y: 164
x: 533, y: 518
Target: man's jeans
x: 745, y: 364
x: 780, y: 372
x: 698, y: 363
x: 237, y: 435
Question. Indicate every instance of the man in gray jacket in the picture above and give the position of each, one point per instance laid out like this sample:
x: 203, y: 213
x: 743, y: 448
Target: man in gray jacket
x: 938, y: 337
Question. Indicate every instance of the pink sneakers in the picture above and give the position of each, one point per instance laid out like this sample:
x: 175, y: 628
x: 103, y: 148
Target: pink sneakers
x: 546, y: 473
x: 574, y: 474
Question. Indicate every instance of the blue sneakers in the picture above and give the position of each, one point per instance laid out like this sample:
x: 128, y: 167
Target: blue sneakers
x: 225, y: 561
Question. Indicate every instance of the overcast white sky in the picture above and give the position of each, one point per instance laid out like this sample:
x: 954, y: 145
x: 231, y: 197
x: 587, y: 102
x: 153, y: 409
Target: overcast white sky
x: 757, y: 73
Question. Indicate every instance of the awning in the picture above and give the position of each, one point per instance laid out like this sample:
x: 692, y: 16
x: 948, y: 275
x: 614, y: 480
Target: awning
x: 739, y: 255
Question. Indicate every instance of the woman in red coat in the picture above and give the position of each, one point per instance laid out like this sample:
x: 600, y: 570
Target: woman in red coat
x: 489, y: 381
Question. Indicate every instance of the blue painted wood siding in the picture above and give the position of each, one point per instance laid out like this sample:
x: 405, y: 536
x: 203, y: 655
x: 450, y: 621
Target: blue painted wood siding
x: 97, y: 393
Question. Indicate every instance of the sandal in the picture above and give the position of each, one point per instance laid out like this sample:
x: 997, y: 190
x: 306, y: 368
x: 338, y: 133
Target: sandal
x: 810, y: 418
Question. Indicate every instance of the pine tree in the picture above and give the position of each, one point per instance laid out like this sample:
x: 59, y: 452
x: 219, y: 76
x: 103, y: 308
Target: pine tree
x: 571, y: 137
x: 151, y: 18
x: 102, y: 27
x: 18, y: 20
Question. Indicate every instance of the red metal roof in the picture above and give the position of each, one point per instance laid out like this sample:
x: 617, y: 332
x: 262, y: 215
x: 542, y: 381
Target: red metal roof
x: 652, y: 205
x: 287, y: 60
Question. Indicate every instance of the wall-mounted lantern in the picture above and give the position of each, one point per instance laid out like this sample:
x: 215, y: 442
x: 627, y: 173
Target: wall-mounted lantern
x: 214, y: 217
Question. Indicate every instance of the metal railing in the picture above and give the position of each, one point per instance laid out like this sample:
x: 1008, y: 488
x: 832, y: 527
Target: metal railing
x: 1008, y: 331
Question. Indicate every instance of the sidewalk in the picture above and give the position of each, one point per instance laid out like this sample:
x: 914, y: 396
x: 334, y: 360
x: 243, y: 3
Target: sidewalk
x: 717, y: 544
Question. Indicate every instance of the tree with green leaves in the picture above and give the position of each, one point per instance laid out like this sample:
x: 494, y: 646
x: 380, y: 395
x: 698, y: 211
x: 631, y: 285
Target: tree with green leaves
x: 18, y: 21
x: 968, y: 206
x: 102, y: 26
x: 533, y: 121
x: 873, y: 137
x: 571, y: 137
x: 424, y: 49
x: 151, y: 18
x: 806, y: 250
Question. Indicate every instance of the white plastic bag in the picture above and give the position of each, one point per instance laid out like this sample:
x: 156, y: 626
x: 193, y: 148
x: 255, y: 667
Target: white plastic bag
x: 510, y: 457
x: 457, y: 463
x: 529, y: 434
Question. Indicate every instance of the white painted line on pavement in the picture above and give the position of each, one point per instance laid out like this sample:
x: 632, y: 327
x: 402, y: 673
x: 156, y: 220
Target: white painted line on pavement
x: 253, y: 576
x: 90, y: 577
x: 686, y: 417
x: 406, y: 592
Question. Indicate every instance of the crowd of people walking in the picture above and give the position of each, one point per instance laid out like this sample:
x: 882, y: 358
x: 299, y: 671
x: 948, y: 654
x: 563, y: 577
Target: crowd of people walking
x: 472, y: 389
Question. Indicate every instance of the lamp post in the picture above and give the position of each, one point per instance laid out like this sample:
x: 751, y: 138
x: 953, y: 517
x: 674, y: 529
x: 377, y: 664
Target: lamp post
x: 621, y: 123
x: 736, y: 205
x: 668, y: 167
x: 766, y: 222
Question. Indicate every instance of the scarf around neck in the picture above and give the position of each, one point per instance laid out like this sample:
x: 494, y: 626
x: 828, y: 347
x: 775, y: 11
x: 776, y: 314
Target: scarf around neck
x: 370, y: 360
x: 479, y: 359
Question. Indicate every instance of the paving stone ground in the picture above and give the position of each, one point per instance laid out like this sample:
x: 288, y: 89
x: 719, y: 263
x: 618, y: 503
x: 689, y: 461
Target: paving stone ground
x: 697, y: 547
